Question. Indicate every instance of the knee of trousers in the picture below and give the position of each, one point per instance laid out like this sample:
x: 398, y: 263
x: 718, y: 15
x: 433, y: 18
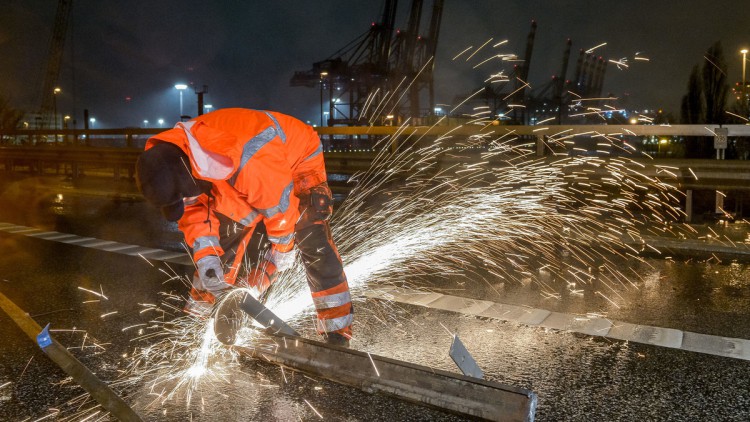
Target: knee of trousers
x: 320, y: 257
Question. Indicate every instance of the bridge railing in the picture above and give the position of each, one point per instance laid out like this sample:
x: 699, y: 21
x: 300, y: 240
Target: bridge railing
x: 95, y: 146
x: 134, y: 137
x: 118, y: 149
x: 114, y: 151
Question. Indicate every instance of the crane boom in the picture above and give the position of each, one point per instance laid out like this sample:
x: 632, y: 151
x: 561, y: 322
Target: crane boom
x: 57, y: 46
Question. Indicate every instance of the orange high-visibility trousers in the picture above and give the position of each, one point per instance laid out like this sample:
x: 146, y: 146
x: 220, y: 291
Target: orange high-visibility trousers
x: 323, y: 266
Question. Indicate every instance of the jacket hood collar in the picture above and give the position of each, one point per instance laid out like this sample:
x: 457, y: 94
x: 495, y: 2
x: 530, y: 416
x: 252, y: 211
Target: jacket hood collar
x: 217, y: 154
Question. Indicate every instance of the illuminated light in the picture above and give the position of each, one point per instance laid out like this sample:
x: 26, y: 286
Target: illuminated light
x: 180, y: 86
x: 663, y: 140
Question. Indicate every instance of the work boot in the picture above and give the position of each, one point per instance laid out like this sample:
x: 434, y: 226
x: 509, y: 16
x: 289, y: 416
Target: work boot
x: 337, y: 339
x: 197, y: 308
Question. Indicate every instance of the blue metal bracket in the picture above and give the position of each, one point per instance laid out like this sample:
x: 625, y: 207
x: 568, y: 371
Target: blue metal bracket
x: 43, y: 338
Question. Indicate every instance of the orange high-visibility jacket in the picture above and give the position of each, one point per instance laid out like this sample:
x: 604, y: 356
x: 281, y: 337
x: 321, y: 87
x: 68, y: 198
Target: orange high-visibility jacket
x: 252, y: 158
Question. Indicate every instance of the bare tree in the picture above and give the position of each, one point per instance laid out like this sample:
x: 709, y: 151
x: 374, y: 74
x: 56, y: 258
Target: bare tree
x: 706, y: 99
x: 692, y: 110
x: 715, y: 87
x: 10, y: 117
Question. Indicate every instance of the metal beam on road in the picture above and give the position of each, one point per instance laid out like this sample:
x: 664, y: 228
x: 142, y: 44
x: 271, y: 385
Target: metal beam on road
x: 415, y: 383
x: 374, y: 374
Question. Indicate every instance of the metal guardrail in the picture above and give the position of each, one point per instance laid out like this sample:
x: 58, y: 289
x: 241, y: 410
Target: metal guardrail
x: 128, y: 137
x: 437, y: 130
x: 24, y: 150
x: 483, y: 128
x: 687, y: 173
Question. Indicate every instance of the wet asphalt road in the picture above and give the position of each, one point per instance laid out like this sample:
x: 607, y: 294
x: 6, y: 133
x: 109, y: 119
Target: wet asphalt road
x: 577, y: 377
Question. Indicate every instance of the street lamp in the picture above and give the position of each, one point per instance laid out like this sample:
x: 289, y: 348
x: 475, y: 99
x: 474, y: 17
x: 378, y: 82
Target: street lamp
x: 65, y: 123
x: 180, y: 87
x: 145, y: 123
x: 208, y: 108
x: 662, y: 141
x: 55, y: 92
x: 91, y: 122
x: 744, y: 62
x: 322, y: 82
x: 161, y: 122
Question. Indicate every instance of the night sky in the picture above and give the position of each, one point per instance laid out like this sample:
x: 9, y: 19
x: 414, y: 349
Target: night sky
x: 246, y: 51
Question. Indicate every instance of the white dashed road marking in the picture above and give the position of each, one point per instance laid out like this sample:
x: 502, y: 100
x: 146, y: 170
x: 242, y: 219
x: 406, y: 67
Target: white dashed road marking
x: 100, y: 244
x: 594, y: 326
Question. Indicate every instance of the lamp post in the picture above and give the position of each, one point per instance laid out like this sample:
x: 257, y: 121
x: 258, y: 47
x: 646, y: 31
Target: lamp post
x: 180, y: 87
x: 322, y: 80
x: 66, y: 124
x: 744, y: 87
x: 55, y: 92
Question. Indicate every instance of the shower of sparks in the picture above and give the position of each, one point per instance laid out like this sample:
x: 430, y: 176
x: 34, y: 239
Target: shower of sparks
x: 514, y: 217
x: 464, y: 211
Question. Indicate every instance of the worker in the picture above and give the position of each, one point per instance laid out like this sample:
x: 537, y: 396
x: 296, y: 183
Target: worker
x: 250, y: 166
